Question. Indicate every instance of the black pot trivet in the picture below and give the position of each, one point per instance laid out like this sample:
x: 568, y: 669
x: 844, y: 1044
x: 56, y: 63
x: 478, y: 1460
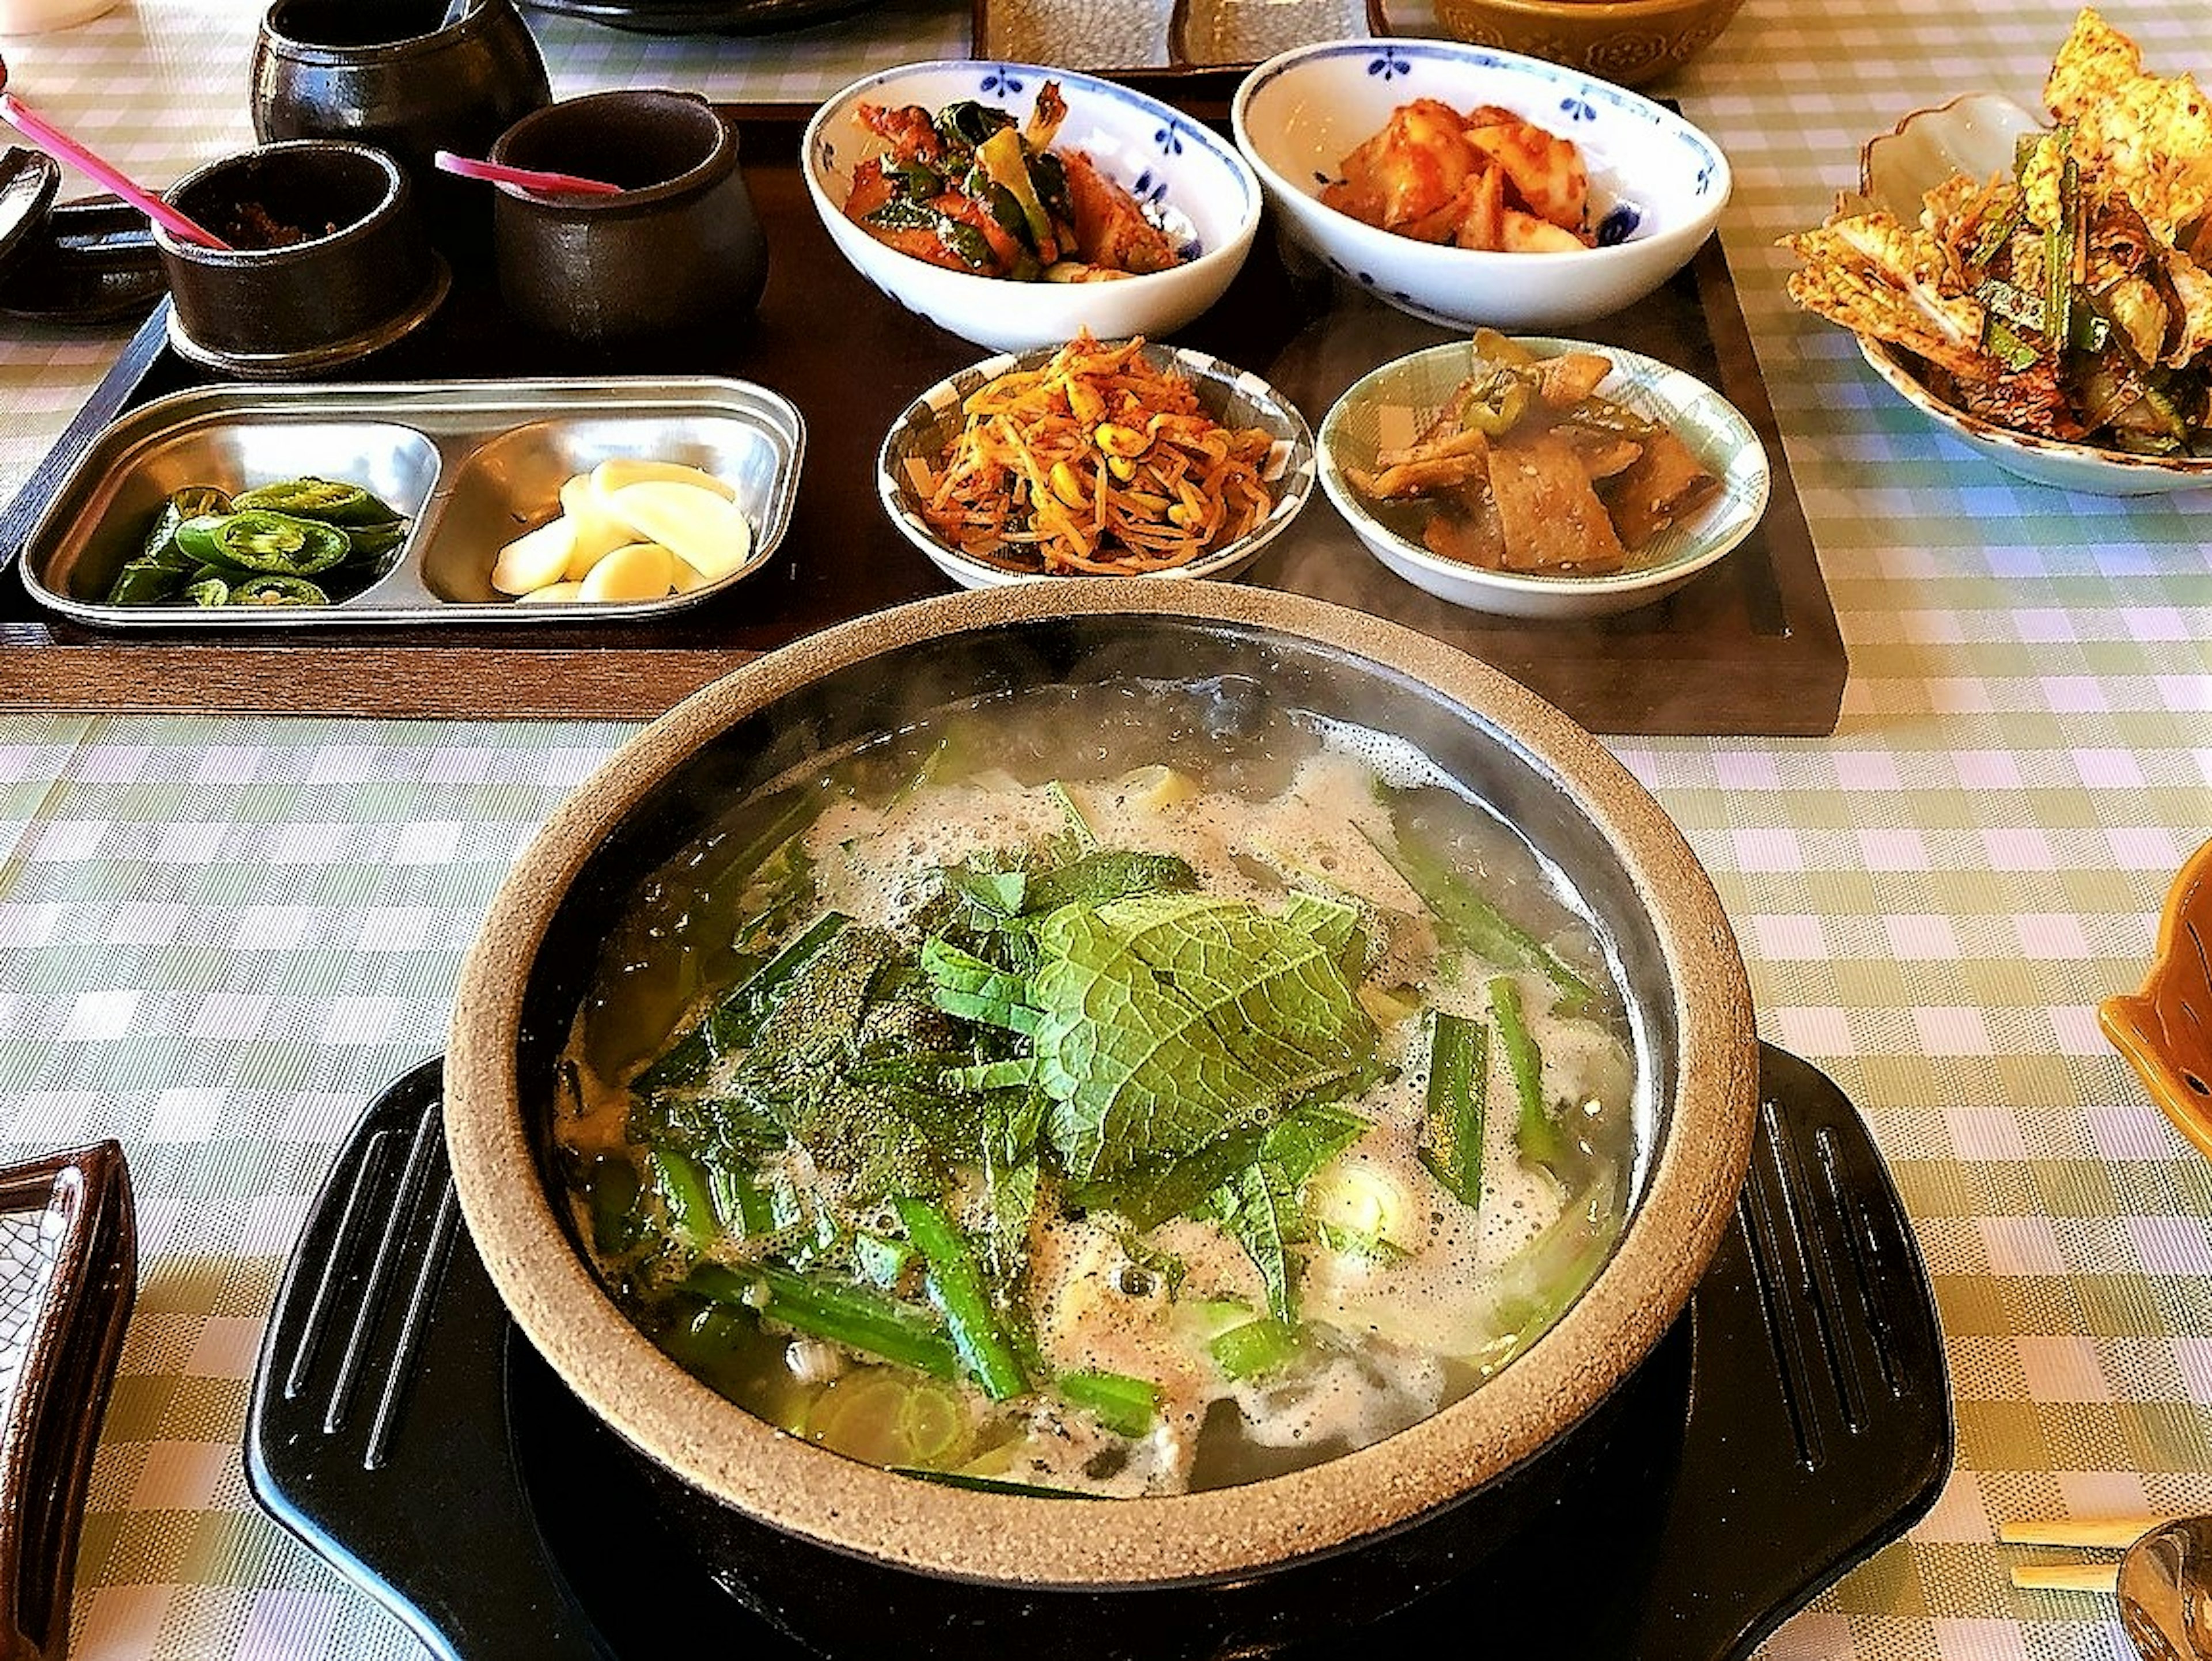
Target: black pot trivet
x: 1796, y: 1419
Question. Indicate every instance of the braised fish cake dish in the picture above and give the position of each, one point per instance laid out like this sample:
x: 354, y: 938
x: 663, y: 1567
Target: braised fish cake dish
x: 1526, y: 469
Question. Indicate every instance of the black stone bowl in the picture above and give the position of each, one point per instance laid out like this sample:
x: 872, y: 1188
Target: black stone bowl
x: 677, y: 252
x: 328, y: 260
x: 855, y: 1560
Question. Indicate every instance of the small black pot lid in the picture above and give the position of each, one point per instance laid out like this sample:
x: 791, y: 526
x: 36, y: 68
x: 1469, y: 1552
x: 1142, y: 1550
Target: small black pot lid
x: 29, y: 179
x: 95, y: 264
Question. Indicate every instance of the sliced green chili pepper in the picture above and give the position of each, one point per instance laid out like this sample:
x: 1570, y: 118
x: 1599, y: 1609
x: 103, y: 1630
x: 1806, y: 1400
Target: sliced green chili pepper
x: 1494, y: 404
x: 274, y: 588
x: 331, y: 500
x: 208, y: 591
x: 143, y: 582
x: 370, y: 540
x: 261, y: 541
x: 189, y: 503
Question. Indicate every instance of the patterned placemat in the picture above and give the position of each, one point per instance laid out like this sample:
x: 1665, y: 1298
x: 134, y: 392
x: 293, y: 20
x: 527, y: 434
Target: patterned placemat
x: 217, y: 939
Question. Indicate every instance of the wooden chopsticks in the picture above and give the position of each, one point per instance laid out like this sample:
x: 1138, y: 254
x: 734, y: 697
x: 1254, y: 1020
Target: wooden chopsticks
x: 2082, y: 1533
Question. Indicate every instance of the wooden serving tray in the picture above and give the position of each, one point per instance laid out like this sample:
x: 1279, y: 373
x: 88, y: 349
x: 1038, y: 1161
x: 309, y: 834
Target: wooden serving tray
x: 1750, y: 648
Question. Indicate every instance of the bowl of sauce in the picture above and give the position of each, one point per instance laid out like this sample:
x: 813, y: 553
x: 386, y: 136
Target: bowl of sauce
x: 327, y: 260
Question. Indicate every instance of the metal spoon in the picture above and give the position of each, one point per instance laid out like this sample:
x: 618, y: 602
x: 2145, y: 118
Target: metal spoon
x: 2166, y: 1592
x: 60, y: 145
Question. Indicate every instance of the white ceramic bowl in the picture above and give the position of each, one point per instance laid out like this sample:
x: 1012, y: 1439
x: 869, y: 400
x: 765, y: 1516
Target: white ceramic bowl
x: 1974, y: 134
x: 1198, y: 185
x: 1657, y: 183
x: 1231, y: 396
x: 1404, y: 395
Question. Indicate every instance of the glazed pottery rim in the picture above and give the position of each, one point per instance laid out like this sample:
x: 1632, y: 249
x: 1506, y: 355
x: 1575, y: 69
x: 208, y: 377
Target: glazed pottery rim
x: 327, y: 355
x: 386, y: 206
x: 702, y: 172
x: 724, y: 1452
x: 1588, y: 11
x: 380, y: 51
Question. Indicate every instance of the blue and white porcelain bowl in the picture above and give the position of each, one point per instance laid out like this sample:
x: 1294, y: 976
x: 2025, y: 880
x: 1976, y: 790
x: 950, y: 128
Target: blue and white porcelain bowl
x: 1657, y: 183
x: 1975, y: 135
x: 1196, y: 185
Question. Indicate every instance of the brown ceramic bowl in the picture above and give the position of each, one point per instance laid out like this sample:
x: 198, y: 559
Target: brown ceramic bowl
x: 856, y: 1559
x: 677, y: 253
x: 1626, y: 41
x: 328, y: 259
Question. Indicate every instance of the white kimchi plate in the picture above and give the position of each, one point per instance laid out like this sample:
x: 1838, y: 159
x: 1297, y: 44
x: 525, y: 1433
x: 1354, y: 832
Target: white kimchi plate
x: 1197, y: 186
x: 1657, y: 183
x: 1975, y: 135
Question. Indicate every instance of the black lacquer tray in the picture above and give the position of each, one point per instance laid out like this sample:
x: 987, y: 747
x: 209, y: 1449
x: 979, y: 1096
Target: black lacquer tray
x: 1795, y: 1421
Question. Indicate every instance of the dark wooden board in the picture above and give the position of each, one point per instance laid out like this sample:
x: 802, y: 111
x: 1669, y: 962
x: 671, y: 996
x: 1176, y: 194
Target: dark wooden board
x: 1751, y: 647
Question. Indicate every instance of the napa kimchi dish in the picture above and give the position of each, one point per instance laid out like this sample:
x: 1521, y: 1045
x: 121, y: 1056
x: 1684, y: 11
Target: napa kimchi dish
x: 1486, y: 179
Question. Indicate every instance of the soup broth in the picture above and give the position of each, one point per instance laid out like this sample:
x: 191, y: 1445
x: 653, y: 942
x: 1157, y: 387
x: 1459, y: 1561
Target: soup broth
x: 1123, y: 1090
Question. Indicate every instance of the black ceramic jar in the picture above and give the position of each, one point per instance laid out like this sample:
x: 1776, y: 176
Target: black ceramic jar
x: 410, y: 76
x: 676, y: 252
x: 328, y: 260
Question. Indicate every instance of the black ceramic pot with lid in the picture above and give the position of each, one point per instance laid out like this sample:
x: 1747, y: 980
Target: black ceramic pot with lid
x: 410, y: 77
x: 327, y: 261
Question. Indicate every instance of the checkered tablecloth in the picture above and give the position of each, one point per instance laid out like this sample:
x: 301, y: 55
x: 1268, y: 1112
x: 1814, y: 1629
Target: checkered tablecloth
x: 218, y: 939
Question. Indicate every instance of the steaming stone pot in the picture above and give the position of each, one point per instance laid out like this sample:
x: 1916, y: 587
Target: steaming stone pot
x: 851, y: 1559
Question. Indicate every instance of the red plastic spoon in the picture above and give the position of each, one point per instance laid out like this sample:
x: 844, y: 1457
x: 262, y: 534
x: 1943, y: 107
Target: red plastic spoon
x: 529, y: 179
x: 58, y: 144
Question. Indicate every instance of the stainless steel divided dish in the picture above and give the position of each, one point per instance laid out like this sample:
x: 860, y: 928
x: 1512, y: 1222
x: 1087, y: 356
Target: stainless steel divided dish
x: 471, y: 464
